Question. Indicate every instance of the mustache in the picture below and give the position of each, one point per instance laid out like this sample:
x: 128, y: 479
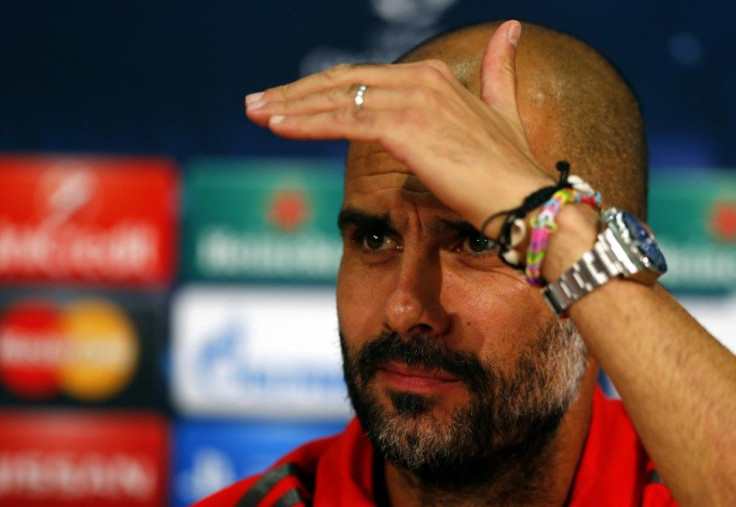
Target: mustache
x: 422, y: 352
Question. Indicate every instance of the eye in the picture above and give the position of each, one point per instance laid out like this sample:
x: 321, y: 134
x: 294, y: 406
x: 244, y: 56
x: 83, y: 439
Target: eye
x: 374, y: 240
x: 477, y: 243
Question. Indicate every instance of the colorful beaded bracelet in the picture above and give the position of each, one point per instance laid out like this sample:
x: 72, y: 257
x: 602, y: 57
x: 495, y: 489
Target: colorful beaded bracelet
x: 545, y: 224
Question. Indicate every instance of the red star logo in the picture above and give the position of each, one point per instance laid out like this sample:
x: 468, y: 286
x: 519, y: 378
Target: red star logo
x: 289, y: 210
x: 723, y: 221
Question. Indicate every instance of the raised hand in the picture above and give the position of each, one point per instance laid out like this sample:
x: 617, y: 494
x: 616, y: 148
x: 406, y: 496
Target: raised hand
x: 471, y: 152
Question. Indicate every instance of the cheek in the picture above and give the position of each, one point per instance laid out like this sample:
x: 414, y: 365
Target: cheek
x: 359, y: 302
x: 502, y: 316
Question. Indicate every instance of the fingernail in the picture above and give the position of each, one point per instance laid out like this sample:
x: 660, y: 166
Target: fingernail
x: 252, y: 106
x: 253, y: 97
x: 514, y: 33
x: 276, y: 119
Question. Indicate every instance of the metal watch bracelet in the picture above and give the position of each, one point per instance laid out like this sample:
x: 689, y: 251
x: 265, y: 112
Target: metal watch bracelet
x: 592, y: 270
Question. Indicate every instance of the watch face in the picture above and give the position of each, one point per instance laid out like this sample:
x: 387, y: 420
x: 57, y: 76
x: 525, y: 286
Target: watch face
x: 645, y: 242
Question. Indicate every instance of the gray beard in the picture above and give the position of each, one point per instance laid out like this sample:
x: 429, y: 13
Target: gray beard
x: 499, y: 443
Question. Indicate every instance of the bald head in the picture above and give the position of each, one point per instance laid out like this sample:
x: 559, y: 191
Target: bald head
x: 574, y: 105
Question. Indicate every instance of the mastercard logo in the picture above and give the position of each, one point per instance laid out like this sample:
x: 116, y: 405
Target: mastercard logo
x: 87, y: 350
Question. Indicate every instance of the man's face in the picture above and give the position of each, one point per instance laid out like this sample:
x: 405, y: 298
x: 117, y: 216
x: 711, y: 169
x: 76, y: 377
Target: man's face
x: 450, y: 357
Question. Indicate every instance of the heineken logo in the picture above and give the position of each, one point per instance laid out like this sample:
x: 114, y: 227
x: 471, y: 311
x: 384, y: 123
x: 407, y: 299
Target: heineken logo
x: 694, y: 218
x: 723, y: 221
x: 693, y: 266
x: 269, y: 220
x: 289, y: 210
x: 224, y: 252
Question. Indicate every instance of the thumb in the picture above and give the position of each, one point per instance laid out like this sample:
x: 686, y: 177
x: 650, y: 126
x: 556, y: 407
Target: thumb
x: 498, y: 70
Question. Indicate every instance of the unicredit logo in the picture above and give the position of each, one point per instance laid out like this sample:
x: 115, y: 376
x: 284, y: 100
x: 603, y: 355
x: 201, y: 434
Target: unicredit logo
x: 95, y: 220
x: 126, y: 251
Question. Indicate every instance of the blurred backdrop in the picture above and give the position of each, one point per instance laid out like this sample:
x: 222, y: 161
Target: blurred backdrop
x: 167, y: 317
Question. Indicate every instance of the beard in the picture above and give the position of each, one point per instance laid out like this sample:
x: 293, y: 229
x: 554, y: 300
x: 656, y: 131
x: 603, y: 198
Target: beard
x: 500, y: 436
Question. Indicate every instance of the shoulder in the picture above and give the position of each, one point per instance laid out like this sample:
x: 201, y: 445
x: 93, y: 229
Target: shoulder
x: 614, y: 468
x: 327, y: 471
x: 655, y: 492
x: 292, y: 477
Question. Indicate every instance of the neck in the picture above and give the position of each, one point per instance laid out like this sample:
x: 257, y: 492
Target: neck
x: 540, y: 475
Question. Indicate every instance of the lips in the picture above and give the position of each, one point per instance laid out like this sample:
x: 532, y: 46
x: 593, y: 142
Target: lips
x: 402, y: 377
x: 419, y: 363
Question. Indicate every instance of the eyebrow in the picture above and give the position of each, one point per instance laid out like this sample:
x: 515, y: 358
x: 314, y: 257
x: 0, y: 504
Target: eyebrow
x: 463, y: 227
x: 362, y: 220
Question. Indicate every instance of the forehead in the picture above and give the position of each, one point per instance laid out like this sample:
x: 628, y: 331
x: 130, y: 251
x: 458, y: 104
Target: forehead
x: 374, y: 180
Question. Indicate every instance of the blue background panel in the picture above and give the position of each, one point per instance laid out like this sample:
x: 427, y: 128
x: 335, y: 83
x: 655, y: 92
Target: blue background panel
x: 169, y: 77
x: 208, y: 455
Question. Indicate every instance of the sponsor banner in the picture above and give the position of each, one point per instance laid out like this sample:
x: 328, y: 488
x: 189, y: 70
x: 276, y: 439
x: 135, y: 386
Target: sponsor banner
x: 209, y: 456
x: 694, y: 219
x: 87, y: 220
x: 269, y: 352
x: 82, y: 459
x: 262, y: 220
x: 716, y: 314
x: 81, y: 348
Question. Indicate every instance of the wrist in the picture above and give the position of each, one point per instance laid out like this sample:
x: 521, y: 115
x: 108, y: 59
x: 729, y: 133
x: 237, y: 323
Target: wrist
x: 516, y: 236
x: 577, y: 229
x: 516, y: 194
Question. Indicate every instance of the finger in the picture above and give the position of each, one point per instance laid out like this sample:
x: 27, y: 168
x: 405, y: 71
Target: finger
x: 374, y: 98
x: 346, y: 124
x: 498, y: 71
x: 392, y: 126
x: 329, y: 100
x: 429, y: 73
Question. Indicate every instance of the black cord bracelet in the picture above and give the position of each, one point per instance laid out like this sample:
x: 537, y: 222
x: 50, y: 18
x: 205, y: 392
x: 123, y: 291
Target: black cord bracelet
x: 532, y: 201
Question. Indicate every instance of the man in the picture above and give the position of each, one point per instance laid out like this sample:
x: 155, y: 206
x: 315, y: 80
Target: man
x: 471, y: 391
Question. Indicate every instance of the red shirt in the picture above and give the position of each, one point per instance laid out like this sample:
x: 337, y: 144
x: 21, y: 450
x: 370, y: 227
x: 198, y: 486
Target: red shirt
x: 613, y: 471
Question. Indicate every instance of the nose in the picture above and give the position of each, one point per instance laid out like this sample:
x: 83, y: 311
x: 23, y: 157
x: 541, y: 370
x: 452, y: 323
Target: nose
x: 413, y: 305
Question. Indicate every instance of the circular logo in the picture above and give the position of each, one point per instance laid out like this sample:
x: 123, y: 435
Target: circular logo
x: 87, y: 350
x: 102, y: 350
x: 32, y: 347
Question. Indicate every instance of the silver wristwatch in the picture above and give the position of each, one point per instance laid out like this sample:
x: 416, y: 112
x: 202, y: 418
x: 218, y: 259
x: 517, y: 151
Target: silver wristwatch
x: 624, y: 248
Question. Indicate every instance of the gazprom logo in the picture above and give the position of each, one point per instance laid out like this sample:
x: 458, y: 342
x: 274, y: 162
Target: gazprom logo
x: 224, y: 364
x: 235, y: 352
